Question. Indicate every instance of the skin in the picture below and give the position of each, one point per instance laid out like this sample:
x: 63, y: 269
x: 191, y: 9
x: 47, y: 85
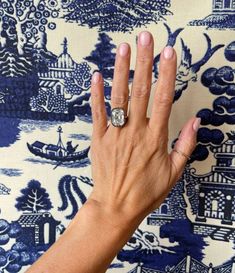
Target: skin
x: 131, y: 167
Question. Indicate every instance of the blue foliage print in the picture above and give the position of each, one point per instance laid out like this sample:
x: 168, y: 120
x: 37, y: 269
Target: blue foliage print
x: 9, y: 131
x: 122, y: 16
x: 68, y: 185
x: 34, y: 198
x: 19, y: 255
x: 42, y: 84
x: 229, y: 52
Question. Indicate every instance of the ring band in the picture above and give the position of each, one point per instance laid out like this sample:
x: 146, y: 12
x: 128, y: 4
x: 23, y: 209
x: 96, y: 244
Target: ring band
x: 182, y: 153
x: 118, y: 117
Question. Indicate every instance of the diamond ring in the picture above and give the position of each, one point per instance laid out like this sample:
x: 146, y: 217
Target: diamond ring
x: 181, y: 153
x: 118, y: 117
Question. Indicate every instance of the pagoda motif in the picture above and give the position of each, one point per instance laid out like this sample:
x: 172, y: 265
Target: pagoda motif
x: 189, y: 265
x: 222, y: 6
x: 222, y: 16
x: 57, y: 72
x: 37, y: 228
x: 161, y: 215
x: 216, y: 193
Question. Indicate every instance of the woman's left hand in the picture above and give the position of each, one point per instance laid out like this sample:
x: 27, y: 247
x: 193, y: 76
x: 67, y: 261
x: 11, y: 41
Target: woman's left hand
x: 131, y: 167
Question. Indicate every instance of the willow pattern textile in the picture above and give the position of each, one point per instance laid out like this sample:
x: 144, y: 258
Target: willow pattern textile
x: 48, y: 52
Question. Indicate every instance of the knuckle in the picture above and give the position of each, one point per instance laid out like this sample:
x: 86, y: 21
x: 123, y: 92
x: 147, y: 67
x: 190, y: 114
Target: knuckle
x: 120, y: 100
x: 157, y: 140
x: 141, y: 90
x: 98, y: 114
x: 95, y: 92
x: 188, y: 143
x: 119, y: 68
x: 164, y: 99
x: 144, y: 59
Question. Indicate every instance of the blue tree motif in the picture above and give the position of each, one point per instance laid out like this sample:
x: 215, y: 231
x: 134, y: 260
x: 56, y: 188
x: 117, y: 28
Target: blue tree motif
x: 102, y: 56
x: 25, y: 22
x: 79, y: 80
x: 68, y: 185
x: 34, y: 198
x: 23, y: 51
x: 17, y: 257
x: 20, y: 254
x: 48, y: 101
x: 229, y: 52
x: 119, y: 15
x: 8, y: 231
x: 220, y: 82
x: 9, y: 131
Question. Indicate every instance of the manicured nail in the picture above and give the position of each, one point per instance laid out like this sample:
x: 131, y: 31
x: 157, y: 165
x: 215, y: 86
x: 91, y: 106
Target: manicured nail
x: 145, y: 38
x: 168, y: 52
x: 96, y: 77
x: 196, y: 124
x: 123, y: 49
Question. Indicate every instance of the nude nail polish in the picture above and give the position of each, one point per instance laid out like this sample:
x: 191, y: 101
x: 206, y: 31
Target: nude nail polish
x: 168, y: 52
x: 96, y: 77
x: 196, y: 124
x: 123, y: 49
x: 145, y: 38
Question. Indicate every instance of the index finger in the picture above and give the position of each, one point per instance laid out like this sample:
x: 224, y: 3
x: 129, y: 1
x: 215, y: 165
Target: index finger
x: 164, y: 93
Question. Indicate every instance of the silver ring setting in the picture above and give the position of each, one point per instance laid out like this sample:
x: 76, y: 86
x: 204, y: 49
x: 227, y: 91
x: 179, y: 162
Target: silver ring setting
x: 181, y: 153
x: 118, y: 117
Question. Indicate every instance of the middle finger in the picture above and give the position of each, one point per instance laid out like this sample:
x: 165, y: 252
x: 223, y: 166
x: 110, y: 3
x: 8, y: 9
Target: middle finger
x: 141, y: 86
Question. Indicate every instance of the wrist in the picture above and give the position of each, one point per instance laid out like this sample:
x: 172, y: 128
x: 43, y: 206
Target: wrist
x: 104, y: 229
x: 110, y: 217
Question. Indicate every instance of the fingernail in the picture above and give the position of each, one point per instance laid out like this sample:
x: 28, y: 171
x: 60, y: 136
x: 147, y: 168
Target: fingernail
x: 123, y: 49
x: 196, y: 124
x: 168, y: 52
x: 145, y: 38
x: 96, y: 77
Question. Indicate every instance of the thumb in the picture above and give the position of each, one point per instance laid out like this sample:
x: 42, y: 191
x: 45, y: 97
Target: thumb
x: 183, y: 148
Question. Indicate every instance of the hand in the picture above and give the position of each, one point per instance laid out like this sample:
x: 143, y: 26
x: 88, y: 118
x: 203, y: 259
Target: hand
x: 131, y: 167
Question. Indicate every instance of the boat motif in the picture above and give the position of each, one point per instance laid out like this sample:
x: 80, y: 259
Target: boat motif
x: 58, y: 152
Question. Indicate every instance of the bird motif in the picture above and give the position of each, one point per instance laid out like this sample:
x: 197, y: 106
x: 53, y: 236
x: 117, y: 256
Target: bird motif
x: 172, y: 36
x: 184, y: 72
x: 187, y: 71
x: 4, y: 190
